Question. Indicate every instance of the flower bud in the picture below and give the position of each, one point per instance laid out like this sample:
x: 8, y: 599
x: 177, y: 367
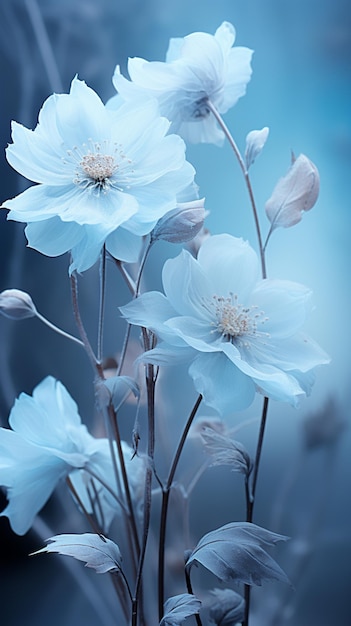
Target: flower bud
x: 180, y: 224
x: 16, y: 304
x: 294, y: 193
x: 255, y: 141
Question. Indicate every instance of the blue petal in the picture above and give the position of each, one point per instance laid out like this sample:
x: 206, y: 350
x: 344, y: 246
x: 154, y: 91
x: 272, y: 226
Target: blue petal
x: 124, y: 245
x: 223, y: 386
x: 231, y: 264
x: 187, y: 286
x: 53, y: 237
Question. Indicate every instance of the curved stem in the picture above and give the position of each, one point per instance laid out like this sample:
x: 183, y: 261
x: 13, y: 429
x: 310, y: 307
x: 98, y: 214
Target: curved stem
x: 164, y: 509
x: 236, y: 151
x: 190, y: 590
x: 58, y: 330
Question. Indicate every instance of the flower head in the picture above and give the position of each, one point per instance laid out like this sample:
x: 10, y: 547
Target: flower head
x: 239, y: 334
x: 198, y: 68
x: 47, y: 441
x: 105, y: 177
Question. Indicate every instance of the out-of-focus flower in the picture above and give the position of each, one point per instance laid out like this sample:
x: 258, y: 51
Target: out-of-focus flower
x: 198, y: 68
x: 240, y: 334
x: 105, y: 177
x: 48, y: 442
x: 296, y: 192
x: 324, y: 427
x: 17, y: 304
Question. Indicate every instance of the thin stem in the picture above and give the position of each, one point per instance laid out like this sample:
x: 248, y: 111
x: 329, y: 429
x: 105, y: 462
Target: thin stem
x: 141, y: 269
x: 190, y: 590
x: 164, y: 510
x: 101, y: 304
x: 236, y: 151
x: 150, y: 386
x: 89, y: 517
x: 84, y: 337
x: 96, y: 529
x: 44, y: 45
x: 250, y: 495
x: 117, y: 437
x: 58, y: 330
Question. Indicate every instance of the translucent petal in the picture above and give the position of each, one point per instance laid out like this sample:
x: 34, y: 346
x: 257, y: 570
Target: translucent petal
x: 223, y: 386
x: 187, y: 286
x: 231, y: 265
x: 52, y: 236
x: 124, y: 245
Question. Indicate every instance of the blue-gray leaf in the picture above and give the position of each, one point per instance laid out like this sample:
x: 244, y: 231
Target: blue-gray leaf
x: 226, y: 451
x: 100, y: 553
x: 178, y: 608
x: 235, y: 552
x: 227, y: 608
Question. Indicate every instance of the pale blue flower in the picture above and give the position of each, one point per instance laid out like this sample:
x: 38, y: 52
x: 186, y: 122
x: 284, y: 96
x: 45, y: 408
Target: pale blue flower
x: 105, y: 177
x: 240, y: 334
x: 198, y: 68
x: 47, y: 443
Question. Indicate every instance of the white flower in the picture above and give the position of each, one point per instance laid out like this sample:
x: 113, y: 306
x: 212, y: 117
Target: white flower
x: 47, y: 443
x: 198, y: 68
x: 240, y: 334
x: 105, y: 177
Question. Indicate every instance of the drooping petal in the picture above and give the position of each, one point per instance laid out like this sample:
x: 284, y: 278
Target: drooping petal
x: 124, y: 245
x: 223, y: 386
x: 53, y: 237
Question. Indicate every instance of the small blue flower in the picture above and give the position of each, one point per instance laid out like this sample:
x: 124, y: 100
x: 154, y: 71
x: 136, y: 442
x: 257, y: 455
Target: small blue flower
x: 47, y: 443
x: 239, y: 334
x: 105, y: 177
x: 198, y: 68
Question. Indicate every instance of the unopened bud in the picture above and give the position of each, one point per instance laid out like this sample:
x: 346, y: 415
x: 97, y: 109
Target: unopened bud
x: 180, y: 224
x: 255, y: 141
x: 294, y: 193
x: 16, y: 304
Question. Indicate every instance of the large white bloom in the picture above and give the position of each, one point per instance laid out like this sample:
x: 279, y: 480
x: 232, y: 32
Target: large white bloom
x: 198, y: 68
x: 48, y: 442
x: 240, y: 334
x: 105, y: 177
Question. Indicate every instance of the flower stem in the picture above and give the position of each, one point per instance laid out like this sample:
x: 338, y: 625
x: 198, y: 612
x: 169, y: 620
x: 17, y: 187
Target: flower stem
x: 150, y: 386
x: 250, y: 494
x: 44, y: 45
x: 164, y: 510
x: 236, y: 151
x: 190, y: 590
x: 84, y: 337
x: 101, y: 304
x: 58, y: 330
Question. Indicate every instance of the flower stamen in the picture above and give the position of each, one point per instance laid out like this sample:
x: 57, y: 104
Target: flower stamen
x: 234, y: 320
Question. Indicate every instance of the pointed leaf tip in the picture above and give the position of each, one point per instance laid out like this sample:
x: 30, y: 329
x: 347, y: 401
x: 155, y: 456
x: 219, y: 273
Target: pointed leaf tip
x: 296, y: 192
x: 97, y: 551
x: 235, y: 552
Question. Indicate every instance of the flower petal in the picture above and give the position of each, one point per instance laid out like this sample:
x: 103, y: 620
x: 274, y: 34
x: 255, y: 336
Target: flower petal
x: 223, y: 386
x: 230, y: 264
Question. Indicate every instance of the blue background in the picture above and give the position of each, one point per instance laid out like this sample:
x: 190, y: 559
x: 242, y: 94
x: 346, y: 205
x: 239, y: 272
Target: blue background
x: 300, y: 88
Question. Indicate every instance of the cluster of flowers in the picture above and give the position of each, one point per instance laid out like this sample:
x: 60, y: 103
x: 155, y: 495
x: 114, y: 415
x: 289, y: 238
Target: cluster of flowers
x: 112, y: 176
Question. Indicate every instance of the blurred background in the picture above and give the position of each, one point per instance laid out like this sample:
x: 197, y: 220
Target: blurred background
x: 300, y: 88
